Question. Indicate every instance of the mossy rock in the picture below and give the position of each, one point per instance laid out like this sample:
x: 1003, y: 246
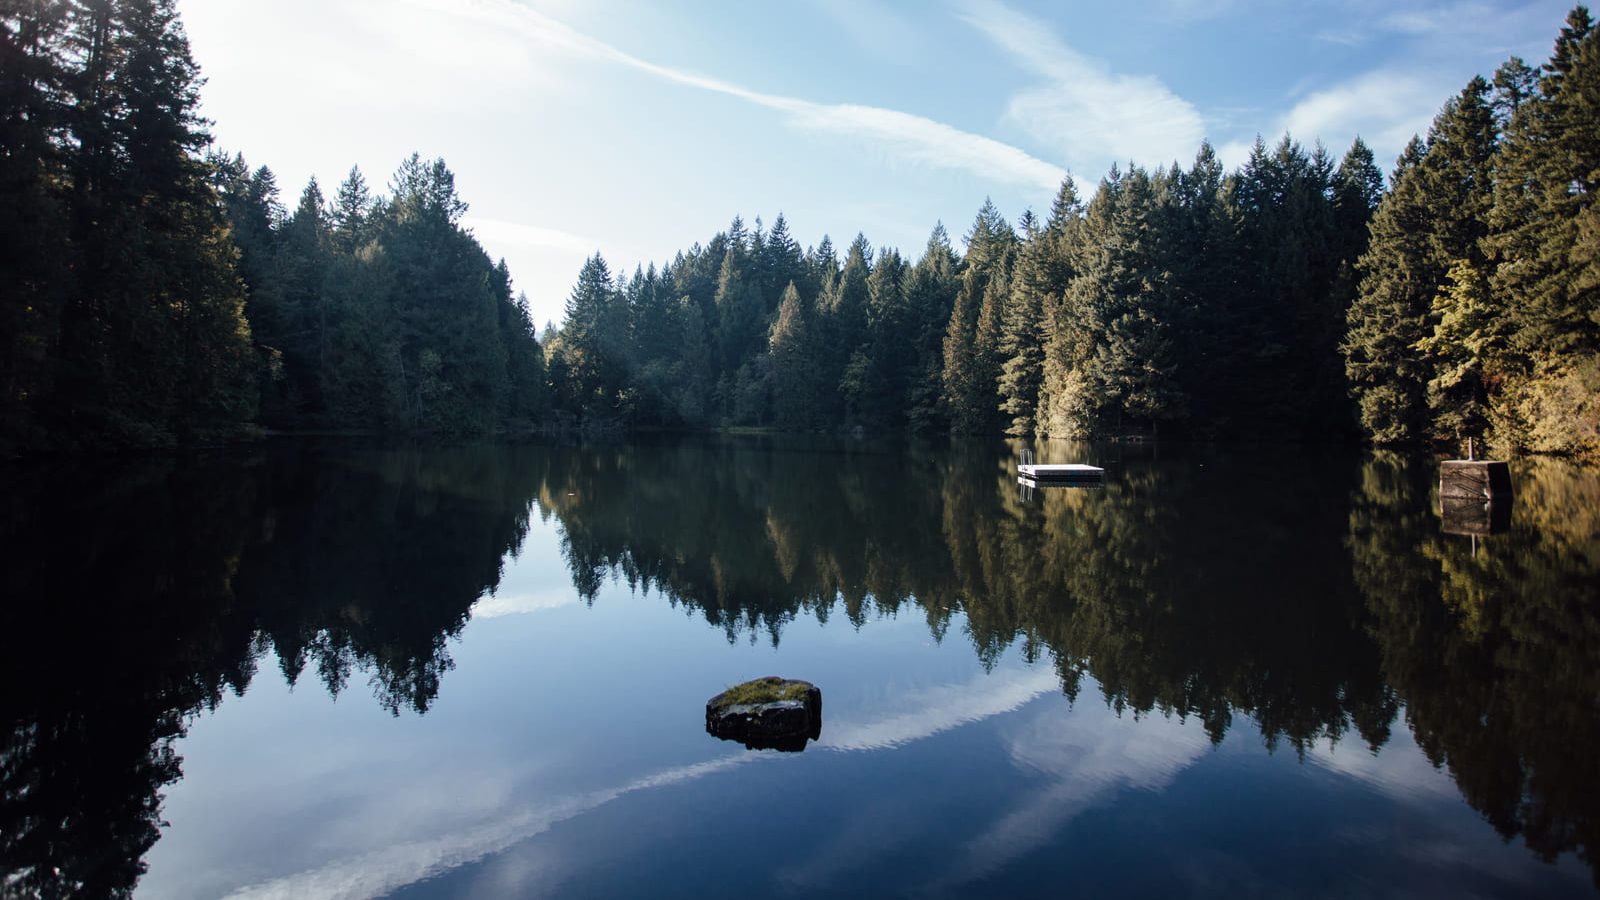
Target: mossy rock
x: 769, y: 713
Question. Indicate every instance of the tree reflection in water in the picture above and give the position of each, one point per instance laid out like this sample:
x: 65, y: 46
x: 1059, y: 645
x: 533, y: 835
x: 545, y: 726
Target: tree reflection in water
x: 1315, y: 595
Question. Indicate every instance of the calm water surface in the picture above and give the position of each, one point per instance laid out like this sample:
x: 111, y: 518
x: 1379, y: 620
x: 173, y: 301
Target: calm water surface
x: 336, y: 670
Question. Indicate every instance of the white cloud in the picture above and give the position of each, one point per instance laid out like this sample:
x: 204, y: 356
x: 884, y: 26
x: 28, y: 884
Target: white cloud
x: 448, y: 59
x: 1400, y: 770
x: 1094, y: 115
x: 503, y: 232
x: 384, y: 870
x: 914, y: 138
x: 394, y: 863
x: 1445, y: 32
x: 1385, y: 108
x: 941, y: 709
x: 1088, y: 755
x: 491, y: 606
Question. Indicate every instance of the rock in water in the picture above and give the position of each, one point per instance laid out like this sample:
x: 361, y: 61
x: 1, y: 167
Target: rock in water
x: 769, y: 713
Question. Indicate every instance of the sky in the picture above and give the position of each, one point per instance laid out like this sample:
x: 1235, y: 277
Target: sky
x: 635, y: 130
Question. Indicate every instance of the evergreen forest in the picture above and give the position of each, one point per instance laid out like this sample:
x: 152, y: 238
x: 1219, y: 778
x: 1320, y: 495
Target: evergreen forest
x: 159, y: 291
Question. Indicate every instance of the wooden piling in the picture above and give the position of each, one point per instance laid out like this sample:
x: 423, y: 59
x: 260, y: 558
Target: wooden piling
x: 1476, y: 479
x: 1474, y: 516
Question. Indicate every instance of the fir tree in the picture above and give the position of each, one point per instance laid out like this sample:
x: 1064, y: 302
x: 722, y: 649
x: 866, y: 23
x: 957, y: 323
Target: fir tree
x: 930, y: 294
x: 1388, y: 317
x: 589, y: 340
x: 352, y: 207
x: 794, y: 370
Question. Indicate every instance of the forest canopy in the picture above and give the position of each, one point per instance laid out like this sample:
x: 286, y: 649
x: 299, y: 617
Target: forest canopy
x: 159, y: 290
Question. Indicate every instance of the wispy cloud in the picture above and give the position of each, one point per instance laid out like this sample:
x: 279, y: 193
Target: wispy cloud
x: 1094, y: 115
x: 401, y: 862
x: 940, y: 709
x: 1385, y: 108
x: 386, y: 869
x: 501, y: 231
x: 1443, y: 30
x: 1087, y: 757
x: 913, y: 138
x: 492, y: 606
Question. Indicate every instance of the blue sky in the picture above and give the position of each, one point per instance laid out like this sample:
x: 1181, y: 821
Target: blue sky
x: 637, y: 129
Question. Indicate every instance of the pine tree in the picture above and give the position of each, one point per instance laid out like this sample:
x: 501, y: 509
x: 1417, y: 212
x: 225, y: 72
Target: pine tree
x: 301, y: 266
x: 526, y: 400
x: 930, y: 296
x: 1357, y: 191
x: 741, y: 320
x: 1206, y: 230
x: 1288, y: 235
x: 352, y: 207
x: 34, y: 217
x: 1041, y: 274
x: 971, y: 366
x: 588, y: 342
x: 1544, y: 248
x: 1543, y: 209
x: 889, y: 354
x: 1434, y: 221
x: 1140, y: 306
x: 843, y: 326
x: 794, y: 369
x: 695, y: 374
x: 450, y: 363
x: 782, y: 262
x: 1465, y: 346
x: 153, y: 344
x: 1388, y: 317
x: 1057, y: 336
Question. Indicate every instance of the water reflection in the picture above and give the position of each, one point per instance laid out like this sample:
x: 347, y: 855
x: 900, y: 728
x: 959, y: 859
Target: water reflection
x: 140, y: 595
x: 1311, y: 598
x: 1494, y: 651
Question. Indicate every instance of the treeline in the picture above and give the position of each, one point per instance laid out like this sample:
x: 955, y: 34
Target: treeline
x: 1174, y: 301
x: 122, y: 316
x: 1479, y: 309
x: 379, y: 313
x: 154, y: 293
x: 1292, y: 297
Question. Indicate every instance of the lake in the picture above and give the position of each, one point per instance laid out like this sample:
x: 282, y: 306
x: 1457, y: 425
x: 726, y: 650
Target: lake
x: 329, y: 668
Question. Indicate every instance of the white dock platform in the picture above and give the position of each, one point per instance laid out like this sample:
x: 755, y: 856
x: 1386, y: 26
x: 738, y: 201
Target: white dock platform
x: 1068, y: 472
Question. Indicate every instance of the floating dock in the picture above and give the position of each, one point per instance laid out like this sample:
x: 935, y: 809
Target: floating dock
x: 1073, y: 472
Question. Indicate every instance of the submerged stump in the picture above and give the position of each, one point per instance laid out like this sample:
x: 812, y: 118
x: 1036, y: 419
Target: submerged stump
x: 769, y: 713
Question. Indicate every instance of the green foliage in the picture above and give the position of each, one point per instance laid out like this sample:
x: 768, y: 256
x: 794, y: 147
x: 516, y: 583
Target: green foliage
x: 794, y: 371
x: 158, y: 296
x: 1387, y: 319
x: 163, y: 295
x: 971, y: 343
x: 123, y: 320
x: 770, y: 689
x: 1479, y: 308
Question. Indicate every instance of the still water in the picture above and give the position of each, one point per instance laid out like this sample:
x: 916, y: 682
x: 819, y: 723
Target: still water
x: 329, y: 669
